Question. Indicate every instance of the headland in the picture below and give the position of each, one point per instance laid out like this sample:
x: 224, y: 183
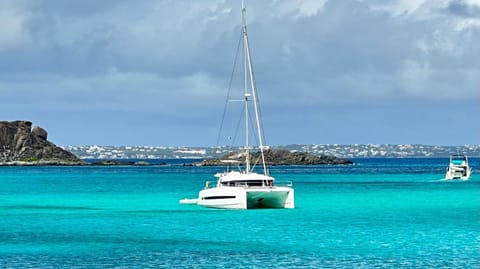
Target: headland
x: 20, y: 144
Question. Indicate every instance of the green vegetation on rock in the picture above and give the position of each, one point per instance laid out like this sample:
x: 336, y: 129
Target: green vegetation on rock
x: 280, y: 157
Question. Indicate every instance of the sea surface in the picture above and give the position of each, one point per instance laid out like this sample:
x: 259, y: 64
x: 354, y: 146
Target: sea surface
x: 378, y: 213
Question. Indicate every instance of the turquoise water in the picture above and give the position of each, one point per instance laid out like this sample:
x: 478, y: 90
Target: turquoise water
x: 393, y: 213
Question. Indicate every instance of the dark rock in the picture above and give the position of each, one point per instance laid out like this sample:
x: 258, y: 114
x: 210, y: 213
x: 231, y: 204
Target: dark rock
x: 279, y: 157
x: 20, y: 145
x: 285, y: 157
x: 40, y: 132
x: 112, y: 163
x: 120, y: 163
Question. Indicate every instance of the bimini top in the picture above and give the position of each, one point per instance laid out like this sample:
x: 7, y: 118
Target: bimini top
x: 238, y: 176
x: 458, y: 159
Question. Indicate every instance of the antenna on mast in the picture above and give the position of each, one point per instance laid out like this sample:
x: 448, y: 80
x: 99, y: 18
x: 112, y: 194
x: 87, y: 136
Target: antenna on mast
x: 244, y: 19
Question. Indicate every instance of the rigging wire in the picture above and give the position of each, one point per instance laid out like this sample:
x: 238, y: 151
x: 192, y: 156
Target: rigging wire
x: 239, y: 122
x: 228, y: 92
x: 258, y: 102
x: 251, y: 122
x: 255, y: 138
x: 257, y: 107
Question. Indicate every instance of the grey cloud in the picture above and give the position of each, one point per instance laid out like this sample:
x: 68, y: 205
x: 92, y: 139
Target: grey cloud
x: 362, y: 54
x: 463, y: 9
x: 169, y: 58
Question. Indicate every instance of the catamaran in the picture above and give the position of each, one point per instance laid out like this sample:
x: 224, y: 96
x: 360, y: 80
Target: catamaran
x: 458, y: 168
x: 245, y: 187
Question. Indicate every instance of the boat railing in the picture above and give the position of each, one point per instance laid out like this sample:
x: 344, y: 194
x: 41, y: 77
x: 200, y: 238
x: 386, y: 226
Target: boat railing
x: 246, y: 184
x: 277, y: 184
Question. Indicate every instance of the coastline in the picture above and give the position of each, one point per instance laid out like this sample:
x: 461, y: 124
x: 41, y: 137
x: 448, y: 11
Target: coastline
x: 194, y: 162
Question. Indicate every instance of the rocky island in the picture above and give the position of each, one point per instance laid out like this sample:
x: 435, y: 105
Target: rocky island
x: 280, y: 157
x: 20, y: 144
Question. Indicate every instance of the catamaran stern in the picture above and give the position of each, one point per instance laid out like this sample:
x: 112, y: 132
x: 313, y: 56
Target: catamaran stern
x: 277, y: 197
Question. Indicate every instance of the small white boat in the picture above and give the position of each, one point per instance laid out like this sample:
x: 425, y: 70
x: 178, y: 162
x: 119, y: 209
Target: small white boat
x: 458, y: 168
x: 247, y: 187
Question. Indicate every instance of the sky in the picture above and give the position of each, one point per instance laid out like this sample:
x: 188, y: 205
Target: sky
x: 156, y: 72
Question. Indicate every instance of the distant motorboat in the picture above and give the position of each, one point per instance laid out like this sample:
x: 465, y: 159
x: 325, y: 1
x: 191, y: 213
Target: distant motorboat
x: 458, y: 168
x: 243, y: 188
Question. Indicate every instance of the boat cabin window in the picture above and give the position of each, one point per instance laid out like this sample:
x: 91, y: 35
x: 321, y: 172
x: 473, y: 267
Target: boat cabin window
x: 458, y: 159
x: 249, y: 183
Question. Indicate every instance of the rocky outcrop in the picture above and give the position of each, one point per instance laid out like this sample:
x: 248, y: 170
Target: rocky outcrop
x: 285, y: 157
x: 123, y: 163
x: 22, y: 145
x: 281, y: 157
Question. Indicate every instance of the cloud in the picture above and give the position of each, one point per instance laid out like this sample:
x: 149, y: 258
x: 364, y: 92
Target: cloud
x: 466, y: 9
x: 360, y: 51
x: 12, y: 32
x: 136, y: 92
x: 174, y: 57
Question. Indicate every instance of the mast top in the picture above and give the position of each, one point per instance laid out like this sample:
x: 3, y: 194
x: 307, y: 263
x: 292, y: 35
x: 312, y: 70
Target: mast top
x: 244, y: 19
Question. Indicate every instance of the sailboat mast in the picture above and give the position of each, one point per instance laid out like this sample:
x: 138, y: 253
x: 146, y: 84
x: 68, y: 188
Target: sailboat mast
x: 248, y: 61
x: 245, y: 75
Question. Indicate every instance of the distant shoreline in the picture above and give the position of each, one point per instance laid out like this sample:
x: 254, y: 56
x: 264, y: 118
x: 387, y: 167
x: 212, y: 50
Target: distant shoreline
x: 188, y: 162
x: 340, y: 151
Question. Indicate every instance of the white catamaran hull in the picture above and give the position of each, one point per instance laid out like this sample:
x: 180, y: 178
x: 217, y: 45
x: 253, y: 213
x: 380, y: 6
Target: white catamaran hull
x: 247, y: 198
